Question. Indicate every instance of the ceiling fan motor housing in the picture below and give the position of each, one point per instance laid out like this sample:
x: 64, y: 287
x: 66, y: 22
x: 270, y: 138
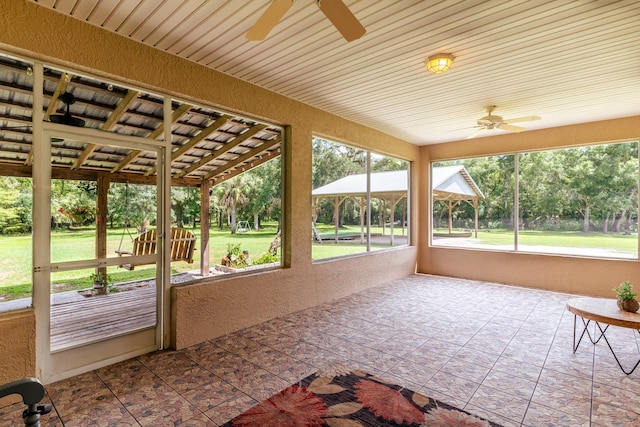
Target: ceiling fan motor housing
x: 490, y: 121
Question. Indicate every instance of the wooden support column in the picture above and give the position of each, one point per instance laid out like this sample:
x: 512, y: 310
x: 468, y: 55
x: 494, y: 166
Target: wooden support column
x: 101, y: 219
x: 336, y: 213
x: 475, y: 209
x: 404, y: 218
x: 392, y: 216
x: 383, y: 208
x: 363, y: 205
x: 336, y: 216
x: 205, y: 202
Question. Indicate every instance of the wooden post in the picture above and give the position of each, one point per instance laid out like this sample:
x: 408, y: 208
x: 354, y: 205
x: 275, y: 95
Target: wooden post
x: 205, y: 202
x: 450, y: 217
x: 101, y: 219
x: 392, y: 218
x: 363, y: 205
x: 336, y: 213
x: 404, y: 218
x: 475, y: 209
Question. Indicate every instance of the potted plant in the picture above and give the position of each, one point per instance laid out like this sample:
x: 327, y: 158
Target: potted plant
x: 626, y: 297
x: 236, y: 257
x: 100, y: 283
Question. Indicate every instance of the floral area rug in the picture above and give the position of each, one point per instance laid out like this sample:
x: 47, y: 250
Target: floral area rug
x: 338, y: 397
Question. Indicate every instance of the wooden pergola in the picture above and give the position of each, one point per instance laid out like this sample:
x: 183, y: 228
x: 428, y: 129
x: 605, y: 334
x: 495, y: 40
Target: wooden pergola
x: 208, y: 146
x: 453, y: 185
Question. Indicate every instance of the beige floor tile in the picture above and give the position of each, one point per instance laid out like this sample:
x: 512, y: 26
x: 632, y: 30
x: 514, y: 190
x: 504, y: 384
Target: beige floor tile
x: 505, y: 404
x: 507, y: 357
x: 564, y: 400
x: 542, y: 416
x: 608, y: 415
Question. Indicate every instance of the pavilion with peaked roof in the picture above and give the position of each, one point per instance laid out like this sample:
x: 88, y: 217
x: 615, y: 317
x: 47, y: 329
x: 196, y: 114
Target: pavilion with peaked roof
x: 389, y: 187
x: 451, y: 184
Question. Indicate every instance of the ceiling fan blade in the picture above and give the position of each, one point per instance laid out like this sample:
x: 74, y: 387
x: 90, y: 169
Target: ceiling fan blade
x: 342, y: 18
x: 467, y: 128
x: 269, y: 19
x: 476, y: 133
x: 511, y: 128
x: 522, y: 119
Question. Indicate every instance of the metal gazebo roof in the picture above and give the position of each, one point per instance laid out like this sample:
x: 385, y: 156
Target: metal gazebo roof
x: 449, y: 182
x: 356, y: 185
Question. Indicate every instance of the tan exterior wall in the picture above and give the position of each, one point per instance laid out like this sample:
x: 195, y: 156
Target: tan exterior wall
x: 17, y: 348
x: 222, y: 307
x: 204, y: 311
x: 579, y: 275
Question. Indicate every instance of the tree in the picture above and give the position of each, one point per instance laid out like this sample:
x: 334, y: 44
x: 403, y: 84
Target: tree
x: 234, y: 197
x: 9, y: 197
x: 385, y: 164
x: 495, y: 177
x: 132, y: 205
x: 542, y: 199
x: 73, y: 202
x: 263, y: 191
x: 185, y: 205
x: 331, y: 162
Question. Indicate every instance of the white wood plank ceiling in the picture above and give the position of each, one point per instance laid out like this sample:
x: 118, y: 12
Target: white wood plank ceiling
x: 566, y: 61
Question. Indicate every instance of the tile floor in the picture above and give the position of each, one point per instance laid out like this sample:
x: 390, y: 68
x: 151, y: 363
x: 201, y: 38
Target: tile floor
x: 501, y: 352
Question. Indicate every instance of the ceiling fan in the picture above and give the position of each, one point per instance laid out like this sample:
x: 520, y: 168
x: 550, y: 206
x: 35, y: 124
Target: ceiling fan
x: 337, y: 12
x: 491, y: 121
x: 67, y: 99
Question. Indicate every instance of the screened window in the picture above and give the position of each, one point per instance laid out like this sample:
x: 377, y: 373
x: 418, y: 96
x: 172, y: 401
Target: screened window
x: 359, y: 200
x: 574, y: 201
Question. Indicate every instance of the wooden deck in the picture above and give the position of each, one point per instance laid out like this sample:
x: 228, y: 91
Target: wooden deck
x: 95, y: 318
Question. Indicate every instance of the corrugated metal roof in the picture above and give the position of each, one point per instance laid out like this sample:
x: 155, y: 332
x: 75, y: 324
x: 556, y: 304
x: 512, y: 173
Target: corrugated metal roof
x: 446, y: 179
x: 207, y: 144
x: 454, y: 180
x: 381, y: 182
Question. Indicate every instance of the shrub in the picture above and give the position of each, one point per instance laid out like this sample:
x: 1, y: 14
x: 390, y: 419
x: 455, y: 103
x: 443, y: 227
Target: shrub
x: 266, y: 258
x: 236, y: 257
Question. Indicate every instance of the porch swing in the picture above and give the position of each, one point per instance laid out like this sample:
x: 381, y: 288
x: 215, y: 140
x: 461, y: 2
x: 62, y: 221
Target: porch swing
x: 183, y: 242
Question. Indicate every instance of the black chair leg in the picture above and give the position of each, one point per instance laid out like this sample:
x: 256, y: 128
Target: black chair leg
x: 32, y: 391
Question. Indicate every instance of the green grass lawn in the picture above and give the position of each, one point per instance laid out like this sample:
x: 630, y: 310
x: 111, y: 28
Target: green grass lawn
x: 568, y: 239
x: 79, y: 244
x: 329, y: 248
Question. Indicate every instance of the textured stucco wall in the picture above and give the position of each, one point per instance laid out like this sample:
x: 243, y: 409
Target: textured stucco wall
x: 219, y: 308
x: 17, y: 348
x: 204, y: 311
x: 586, y: 276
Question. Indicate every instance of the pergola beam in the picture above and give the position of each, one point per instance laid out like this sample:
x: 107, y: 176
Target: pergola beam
x: 122, y: 107
x: 225, y: 148
x: 179, y: 112
x: 241, y: 159
x: 230, y: 174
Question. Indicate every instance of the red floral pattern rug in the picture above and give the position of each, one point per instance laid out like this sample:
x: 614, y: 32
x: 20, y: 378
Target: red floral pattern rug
x: 337, y: 397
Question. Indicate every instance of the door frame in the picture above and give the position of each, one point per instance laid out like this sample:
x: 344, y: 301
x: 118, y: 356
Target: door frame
x: 50, y: 367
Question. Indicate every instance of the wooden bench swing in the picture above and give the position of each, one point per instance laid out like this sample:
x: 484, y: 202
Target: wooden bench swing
x: 183, y: 245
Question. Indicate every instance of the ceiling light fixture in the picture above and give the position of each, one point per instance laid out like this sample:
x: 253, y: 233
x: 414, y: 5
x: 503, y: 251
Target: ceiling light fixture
x: 439, y: 63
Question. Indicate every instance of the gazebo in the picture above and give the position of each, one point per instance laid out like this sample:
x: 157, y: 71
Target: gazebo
x: 390, y: 187
x: 452, y: 184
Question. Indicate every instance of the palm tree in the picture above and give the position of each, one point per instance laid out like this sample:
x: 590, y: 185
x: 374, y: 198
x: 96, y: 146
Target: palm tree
x: 233, y: 198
